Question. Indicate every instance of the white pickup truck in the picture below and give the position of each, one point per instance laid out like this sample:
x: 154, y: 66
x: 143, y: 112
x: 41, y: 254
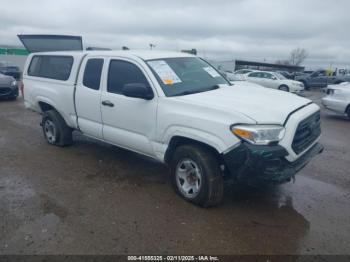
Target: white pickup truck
x: 178, y: 109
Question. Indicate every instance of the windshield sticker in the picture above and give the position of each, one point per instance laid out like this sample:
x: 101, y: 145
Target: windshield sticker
x: 164, y: 71
x: 211, y: 71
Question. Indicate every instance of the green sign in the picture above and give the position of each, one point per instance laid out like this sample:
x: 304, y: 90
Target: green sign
x: 13, y: 51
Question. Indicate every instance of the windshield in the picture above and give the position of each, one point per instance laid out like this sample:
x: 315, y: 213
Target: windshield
x: 185, y: 75
x: 280, y: 76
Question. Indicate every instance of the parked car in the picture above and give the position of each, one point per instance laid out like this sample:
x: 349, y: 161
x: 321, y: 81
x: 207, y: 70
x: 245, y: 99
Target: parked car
x: 8, y: 87
x: 13, y: 71
x: 276, y: 81
x: 177, y: 109
x: 338, y: 99
x: 320, y: 78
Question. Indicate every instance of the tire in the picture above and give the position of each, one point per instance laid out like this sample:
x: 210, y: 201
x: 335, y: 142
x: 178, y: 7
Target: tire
x: 348, y: 111
x: 55, y: 129
x: 284, y: 88
x: 199, y: 164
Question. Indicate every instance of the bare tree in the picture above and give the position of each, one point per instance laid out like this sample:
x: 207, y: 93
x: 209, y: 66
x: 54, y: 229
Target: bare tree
x: 297, y: 56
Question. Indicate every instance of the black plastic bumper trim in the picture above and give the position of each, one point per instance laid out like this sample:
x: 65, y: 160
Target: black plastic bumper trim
x: 256, y: 165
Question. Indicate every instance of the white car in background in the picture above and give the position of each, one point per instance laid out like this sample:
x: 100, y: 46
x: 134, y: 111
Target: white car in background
x: 275, y: 80
x: 338, y: 99
x: 239, y: 75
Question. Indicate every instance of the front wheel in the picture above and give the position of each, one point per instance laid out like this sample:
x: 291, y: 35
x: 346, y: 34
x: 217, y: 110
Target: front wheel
x: 284, y: 88
x: 196, y: 175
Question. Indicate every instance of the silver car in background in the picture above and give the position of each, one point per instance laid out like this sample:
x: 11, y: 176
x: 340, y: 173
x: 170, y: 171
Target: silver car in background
x: 338, y: 98
x: 8, y: 87
x: 275, y: 80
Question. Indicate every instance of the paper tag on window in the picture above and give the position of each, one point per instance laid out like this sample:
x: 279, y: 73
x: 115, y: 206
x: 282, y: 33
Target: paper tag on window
x: 211, y: 71
x: 165, y: 72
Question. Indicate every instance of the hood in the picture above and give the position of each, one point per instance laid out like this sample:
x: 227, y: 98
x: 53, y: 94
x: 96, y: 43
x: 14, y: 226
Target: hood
x: 6, y: 78
x: 263, y: 105
x: 5, y: 81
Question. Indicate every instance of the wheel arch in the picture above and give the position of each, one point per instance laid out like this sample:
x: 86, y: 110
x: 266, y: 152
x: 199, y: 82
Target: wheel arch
x: 44, y: 105
x: 179, y: 140
x: 284, y: 85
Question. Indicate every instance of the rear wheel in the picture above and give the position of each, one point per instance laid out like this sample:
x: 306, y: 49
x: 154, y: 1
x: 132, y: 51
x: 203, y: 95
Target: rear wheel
x: 196, y: 175
x: 348, y: 111
x: 284, y: 88
x: 55, y: 129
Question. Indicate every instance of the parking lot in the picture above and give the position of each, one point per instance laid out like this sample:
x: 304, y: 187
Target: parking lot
x: 93, y: 198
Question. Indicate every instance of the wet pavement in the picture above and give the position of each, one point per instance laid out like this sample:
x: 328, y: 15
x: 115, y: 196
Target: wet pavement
x: 94, y: 198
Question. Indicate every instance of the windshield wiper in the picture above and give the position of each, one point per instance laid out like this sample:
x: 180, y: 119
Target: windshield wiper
x: 214, y: 87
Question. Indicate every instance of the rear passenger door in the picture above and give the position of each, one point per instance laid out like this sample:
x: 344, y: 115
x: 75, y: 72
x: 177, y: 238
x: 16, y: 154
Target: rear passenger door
x: 88, y: 97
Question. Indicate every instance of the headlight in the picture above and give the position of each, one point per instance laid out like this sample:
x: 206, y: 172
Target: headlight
x: 14, y: 83
x: 259, y: 134
x: 298, y: 84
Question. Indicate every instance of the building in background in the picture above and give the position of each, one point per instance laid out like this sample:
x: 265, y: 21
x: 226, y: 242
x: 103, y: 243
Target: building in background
x: 233, y: 65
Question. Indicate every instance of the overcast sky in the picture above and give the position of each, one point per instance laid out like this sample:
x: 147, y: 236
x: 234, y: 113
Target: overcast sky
x: 243, y: 29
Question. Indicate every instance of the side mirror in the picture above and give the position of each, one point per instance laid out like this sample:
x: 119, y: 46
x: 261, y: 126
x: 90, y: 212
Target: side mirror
x: 274, y: 78
x: 138, y: 90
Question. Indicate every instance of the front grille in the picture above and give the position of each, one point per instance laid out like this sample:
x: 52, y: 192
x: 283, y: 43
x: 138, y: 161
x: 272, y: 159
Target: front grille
x: 5, y: 91
x: 307, y: 132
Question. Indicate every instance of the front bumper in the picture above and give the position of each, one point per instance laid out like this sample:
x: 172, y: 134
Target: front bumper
x: 264, y: 165
x: 8, y: 92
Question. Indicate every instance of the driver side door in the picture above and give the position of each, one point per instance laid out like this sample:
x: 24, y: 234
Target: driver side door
x: 127, y: 122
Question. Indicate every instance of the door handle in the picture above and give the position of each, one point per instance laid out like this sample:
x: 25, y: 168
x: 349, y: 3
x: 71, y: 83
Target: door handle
x: 107, y: 103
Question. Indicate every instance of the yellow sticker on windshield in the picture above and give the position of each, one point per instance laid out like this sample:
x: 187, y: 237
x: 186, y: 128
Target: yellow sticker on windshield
x: 168, y: 81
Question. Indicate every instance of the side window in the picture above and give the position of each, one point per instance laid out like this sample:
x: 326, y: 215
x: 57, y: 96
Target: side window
x: 121, y: 73
x: 34, y: 67
x: 53, y: 67
x: 322, y: 73
x: 92, y: 73
x: 254, y: 75
x: 268, y: 76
